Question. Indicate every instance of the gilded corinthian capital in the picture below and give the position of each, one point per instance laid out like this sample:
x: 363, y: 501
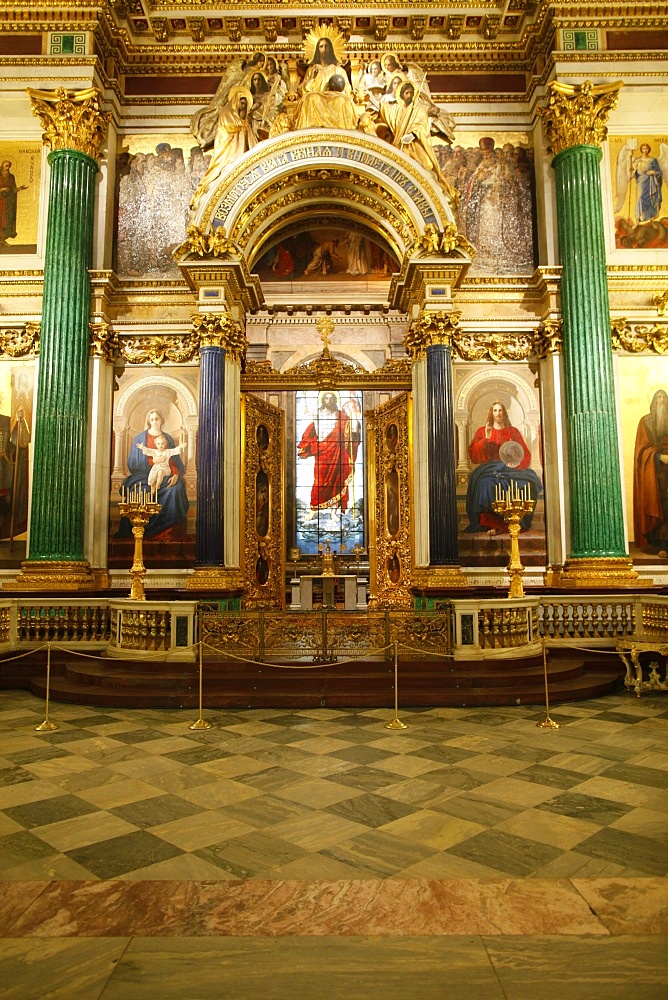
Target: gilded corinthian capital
x: 71, y: 121
x: 219, y: 330
x: 577, y: 115
x: 431, y: 328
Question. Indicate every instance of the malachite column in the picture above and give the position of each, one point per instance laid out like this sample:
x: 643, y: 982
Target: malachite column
x: 75, y: 128
x: 575, y: 125
x: 220, y: 339
x: 432, y: 335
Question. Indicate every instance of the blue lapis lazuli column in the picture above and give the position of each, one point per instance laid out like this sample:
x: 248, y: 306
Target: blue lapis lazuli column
x: 209, y: 548
x: 443, y: 546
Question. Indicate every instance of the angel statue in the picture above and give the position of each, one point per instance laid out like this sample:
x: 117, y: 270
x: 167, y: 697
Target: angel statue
x: 647, y: 171
x: 261, y: 75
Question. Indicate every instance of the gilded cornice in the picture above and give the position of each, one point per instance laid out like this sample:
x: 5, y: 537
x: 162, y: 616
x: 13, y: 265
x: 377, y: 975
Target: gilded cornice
x: 640, y: 337
x: 22, y: 342
x: 71, y: 120
x: 220, y: 330
x: 577, y: 114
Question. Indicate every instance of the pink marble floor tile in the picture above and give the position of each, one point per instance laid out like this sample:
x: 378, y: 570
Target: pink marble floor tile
x: 374, y: 907
x: 17, y: 897
x: 105, y: 909
x: 391, y: 907
x: 628, y: 905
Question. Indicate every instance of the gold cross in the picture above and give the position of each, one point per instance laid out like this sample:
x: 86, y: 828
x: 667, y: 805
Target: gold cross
x: 325, y: 329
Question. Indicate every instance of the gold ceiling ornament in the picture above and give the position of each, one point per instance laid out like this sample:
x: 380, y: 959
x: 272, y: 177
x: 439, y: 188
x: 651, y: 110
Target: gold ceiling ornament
x: 104, y: 342
x: 325, y: 31
x: 639, y: 338
x: 177, y: 349
x: 22, y: 342
x: 220, y: 330
x: 202, y: 244
x: 577, y: 114
x: 71, y: 120
x: 549, y: 338
x: 660, y: 300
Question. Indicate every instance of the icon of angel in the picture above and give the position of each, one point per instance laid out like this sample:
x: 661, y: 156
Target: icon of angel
x: 638, y: 164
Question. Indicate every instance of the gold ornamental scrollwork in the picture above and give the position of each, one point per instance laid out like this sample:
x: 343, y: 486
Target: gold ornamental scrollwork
x: 20, y: 343
x: 431, y: 328
x: 639, y: 338
x: 104, y: 342
x: 577, y: 114
x: 660, y: 300
x: 549, y: 338
x: 178, y: 349
x: 220, y: 330
x: 201, y: 244
x: 71, y: 120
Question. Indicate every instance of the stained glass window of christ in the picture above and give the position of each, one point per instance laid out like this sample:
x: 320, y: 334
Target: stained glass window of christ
x: 329, y: 475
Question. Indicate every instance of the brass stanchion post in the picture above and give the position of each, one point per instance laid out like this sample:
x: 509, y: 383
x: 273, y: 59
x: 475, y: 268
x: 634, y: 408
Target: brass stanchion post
x: 47, y: 726
x: 547, y: 723
x: 200, y: 723
x: 396, y: 722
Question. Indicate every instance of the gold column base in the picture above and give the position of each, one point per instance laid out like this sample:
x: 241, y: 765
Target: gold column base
x: 215, y: 578
x: 53, y: 576
x: 610, y: 573
x: 438, y: 578
x: 552, y: 576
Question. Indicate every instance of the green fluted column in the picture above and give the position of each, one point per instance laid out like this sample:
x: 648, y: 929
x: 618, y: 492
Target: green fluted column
x: 58, y: 490
x: 575, y: 125
x: 597, y: 525
x: 75, y: 128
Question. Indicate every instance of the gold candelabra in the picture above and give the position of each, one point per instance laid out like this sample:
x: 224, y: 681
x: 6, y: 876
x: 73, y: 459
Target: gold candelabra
x: 139, y: 506
x: 513, y: 504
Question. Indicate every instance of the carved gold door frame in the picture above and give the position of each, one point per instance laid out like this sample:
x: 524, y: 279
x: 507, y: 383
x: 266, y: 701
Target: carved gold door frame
x: 391, y: 558
x: 263, y: 504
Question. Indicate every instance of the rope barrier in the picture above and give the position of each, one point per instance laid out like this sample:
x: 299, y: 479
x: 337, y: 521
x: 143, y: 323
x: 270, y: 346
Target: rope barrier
x: 299, y: 666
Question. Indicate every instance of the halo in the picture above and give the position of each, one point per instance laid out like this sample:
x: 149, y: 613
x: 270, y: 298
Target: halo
x: 325, y: 31
x: 329, y: 392
x: 392, y: 72
x: 240, y: 92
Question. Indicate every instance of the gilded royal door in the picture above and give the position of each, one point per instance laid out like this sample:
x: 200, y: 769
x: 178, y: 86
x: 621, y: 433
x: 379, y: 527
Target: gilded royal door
x: 263, y: 504
x: 390, y: 507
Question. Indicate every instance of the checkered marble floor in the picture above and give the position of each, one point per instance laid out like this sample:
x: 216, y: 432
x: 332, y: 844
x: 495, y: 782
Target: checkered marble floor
x: 325, y: 823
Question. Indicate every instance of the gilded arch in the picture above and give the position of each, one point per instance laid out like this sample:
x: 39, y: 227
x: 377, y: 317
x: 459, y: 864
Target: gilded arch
x: 336, y: 175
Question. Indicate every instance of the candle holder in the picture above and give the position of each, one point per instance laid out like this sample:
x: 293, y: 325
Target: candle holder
x: 138, y: 506
x: 512, y: 505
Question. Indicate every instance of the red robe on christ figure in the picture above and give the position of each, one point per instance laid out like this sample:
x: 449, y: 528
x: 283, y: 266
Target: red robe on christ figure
x: 332, y: 439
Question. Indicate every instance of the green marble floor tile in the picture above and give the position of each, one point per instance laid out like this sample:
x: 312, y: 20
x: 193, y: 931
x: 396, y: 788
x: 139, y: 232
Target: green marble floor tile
x: 63, y: 807
x: 505, y: 852
x: 119, y: 855
x: 596, y: 968
x: 309, y: 969
x: 589, y: 807
x: 60, y: 969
